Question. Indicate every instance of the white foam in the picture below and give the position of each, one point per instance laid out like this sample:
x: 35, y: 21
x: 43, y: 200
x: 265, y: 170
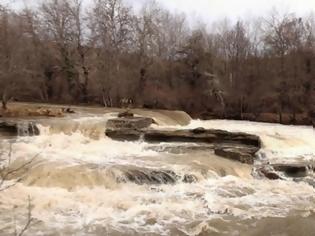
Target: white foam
x: 133, y: 207
x: 279, y: 141
x: 80, y: 148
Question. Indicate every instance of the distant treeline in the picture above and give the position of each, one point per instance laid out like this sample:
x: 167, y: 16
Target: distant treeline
x: 63, y: 51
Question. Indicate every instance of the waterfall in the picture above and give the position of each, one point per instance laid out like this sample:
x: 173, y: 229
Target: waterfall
x: 27, y: 129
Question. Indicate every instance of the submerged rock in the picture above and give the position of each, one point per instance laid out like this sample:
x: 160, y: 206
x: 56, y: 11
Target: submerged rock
x: 292, y: 170
x: 149, y: 177
x: 190, y: 179
x: 155, y: 177
x: 267, y: 172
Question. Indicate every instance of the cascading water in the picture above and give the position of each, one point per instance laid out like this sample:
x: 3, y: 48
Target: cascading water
x: 82, y: 183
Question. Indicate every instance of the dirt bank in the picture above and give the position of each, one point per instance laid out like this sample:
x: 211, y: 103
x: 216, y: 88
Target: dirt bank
x: 29, y: 110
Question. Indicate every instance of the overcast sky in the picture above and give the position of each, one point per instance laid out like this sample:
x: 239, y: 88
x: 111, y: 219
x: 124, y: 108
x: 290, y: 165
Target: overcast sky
x: 211, y: 10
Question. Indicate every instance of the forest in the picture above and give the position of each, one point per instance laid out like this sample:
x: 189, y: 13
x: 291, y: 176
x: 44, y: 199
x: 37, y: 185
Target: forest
x: 107, y: 53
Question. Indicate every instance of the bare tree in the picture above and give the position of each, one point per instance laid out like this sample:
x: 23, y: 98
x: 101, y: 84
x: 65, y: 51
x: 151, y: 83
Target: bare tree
x: 107, y: 53
x: 14, y: 73
x: 285, y: 35
x: 146, y: 37
x: 113, y: 27
x: 83, y: 44
x: 5, y: 55
x: 58, y: 22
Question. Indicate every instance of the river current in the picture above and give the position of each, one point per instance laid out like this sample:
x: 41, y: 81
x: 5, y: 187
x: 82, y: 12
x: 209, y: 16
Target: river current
x: 82, y: 183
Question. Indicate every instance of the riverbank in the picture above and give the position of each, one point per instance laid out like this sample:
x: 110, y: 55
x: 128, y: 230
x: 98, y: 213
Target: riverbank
x: 26, y: 109
x: 38, y: 110
x: 274, y: 118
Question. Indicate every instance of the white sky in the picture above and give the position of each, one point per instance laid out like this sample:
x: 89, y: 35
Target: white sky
x: 212, y: 10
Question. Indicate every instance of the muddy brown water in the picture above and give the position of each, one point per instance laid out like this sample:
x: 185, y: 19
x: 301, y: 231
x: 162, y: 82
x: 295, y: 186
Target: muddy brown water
x: 82, y: 183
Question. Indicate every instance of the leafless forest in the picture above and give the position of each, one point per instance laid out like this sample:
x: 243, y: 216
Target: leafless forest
x: 107, y: 53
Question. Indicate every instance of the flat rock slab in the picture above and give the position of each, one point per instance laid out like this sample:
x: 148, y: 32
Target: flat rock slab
x: 240, y: 147
x: 201, y: 136
x: 120, y: 127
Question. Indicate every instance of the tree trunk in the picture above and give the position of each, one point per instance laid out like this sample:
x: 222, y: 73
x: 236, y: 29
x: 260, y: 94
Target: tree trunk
x: 104, y: 98
x: 280, y: 115
x: 4, y: 101
x: 241, y: 107
x: 84, y: 86
x: 4, y: 105
x: 85, y: 69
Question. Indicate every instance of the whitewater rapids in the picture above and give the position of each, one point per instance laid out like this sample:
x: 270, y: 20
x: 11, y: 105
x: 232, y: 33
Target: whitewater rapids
x: 82, y: 183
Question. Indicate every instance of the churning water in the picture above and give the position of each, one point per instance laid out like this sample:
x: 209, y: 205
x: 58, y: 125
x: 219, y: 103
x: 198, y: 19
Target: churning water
x: 82, y: 183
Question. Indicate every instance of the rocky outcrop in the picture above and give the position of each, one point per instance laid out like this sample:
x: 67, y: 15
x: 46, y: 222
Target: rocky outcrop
x: 127, y: 127
x: 149, y: 177
x: 237, y: 146
x: 285, y: 170
x: 18, y: 128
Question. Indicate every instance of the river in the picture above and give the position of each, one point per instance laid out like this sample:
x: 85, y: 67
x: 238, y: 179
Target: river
x: 83, y: 183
